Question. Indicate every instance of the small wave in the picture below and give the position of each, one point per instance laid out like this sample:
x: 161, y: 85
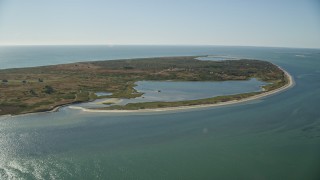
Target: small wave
x: 300, y: 55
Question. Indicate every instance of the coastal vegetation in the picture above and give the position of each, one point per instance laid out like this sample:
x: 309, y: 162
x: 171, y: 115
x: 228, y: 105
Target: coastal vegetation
x: 36, y: 89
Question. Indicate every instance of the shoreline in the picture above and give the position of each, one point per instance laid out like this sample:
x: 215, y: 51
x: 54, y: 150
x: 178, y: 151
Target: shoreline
x: 290, y: 84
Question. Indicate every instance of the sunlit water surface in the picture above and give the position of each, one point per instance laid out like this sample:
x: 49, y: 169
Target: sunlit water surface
x: 277, y: 137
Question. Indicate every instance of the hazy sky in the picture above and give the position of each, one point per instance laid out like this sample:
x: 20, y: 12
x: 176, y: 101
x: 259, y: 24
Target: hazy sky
x: 286, y: 23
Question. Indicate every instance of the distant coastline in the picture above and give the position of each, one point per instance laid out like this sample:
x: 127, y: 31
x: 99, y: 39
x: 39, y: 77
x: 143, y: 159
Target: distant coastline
x: 287, y: 86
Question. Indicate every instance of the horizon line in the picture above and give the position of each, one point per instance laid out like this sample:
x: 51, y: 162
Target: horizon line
x: 98, y: 44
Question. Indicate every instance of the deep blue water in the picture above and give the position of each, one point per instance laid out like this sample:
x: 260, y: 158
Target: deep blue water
x: 277, y: 137
x: 28, y: 56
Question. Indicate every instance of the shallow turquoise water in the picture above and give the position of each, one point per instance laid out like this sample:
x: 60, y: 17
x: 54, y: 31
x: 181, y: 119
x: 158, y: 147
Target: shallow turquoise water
x: 277, y: 137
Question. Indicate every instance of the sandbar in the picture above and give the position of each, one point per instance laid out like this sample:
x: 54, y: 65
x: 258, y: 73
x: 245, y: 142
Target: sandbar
x: 110, y: 101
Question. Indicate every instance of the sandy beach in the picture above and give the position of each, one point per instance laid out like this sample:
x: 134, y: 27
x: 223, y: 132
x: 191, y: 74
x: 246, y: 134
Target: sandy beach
x: 110, y: 101
x: 259, y: 96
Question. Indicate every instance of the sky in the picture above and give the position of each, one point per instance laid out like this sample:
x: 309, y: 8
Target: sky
x: 275, y: 23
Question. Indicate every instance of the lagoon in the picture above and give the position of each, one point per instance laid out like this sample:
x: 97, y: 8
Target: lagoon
x: 170, y: 91
x: 179, y: 91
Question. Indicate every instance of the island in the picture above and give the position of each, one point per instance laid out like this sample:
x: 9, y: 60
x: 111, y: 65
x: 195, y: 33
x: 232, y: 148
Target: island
x: 44, y: 88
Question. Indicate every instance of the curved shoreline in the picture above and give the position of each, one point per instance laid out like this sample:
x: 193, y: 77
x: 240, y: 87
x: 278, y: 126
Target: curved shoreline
x: 290, y: 84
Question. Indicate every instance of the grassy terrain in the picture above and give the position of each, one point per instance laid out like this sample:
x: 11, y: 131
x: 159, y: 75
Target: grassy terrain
x: 25, y: 90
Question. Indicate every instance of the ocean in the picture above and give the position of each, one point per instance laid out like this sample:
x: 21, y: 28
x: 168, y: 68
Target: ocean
x: 277, y: 137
